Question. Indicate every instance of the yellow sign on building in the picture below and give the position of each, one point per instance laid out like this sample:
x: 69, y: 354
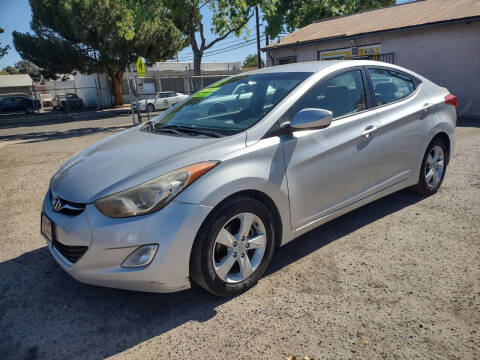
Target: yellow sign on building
x: 140, y: 67
x: 341, y: 54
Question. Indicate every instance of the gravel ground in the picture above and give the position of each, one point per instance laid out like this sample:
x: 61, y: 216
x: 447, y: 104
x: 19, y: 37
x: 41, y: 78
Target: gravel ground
x: 396, y: 279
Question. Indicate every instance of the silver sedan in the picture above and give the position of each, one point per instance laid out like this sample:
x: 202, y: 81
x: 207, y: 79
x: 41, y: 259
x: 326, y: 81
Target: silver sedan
x: 208, y: 197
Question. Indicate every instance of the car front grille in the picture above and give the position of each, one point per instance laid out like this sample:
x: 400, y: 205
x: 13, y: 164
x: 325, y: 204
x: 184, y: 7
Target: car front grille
x: 71, y: 253
x: 67, y: 207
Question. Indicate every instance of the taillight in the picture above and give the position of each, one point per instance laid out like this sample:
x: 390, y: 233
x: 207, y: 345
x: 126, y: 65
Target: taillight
x: 451, y: 100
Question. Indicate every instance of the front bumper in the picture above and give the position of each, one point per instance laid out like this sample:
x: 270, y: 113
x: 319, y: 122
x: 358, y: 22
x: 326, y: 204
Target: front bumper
x: 110, y: 241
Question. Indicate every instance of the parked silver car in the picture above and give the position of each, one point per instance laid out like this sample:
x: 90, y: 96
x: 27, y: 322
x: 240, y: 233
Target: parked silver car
x: 208, y: 197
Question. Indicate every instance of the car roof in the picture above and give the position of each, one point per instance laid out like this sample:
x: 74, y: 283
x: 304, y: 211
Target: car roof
x: 314, y: 66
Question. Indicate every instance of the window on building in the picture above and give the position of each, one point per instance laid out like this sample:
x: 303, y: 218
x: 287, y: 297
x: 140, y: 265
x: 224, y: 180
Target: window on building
x: 342, y: 94
x: 286, y: 60
x: 390, y: 85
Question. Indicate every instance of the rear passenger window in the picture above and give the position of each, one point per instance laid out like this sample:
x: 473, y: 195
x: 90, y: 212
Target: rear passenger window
x: 390, y: 85
x: 342, y: 94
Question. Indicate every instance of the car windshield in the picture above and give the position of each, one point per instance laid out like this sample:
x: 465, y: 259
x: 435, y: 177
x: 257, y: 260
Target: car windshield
x: 70, y: 96
x: 231, y: 105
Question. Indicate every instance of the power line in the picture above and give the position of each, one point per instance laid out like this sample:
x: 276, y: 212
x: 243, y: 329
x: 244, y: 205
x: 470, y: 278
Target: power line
x: 235, y: 43
x: 223, y: 50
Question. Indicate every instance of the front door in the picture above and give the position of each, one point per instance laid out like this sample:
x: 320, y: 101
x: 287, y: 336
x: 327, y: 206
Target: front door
x: 330, y: 168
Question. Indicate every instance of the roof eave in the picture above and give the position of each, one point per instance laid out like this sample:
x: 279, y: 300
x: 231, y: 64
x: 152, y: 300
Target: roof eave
x: 341, y: 37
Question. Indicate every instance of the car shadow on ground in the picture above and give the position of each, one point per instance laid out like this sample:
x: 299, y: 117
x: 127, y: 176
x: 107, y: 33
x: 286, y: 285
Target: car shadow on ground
x: 33, y: 137
x: 45, y: 313
x: 58, y: 117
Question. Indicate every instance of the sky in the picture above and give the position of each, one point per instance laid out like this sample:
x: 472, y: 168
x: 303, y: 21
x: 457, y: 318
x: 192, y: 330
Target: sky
x: 16, y: 15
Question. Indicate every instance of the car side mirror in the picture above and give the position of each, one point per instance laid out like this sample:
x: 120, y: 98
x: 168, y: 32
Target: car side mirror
x: 311, y: 118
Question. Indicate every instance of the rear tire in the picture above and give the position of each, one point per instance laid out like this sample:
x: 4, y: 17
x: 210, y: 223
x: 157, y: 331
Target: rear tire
x: 233, y: 248
x: 434, y: 166
x: 150, y: 108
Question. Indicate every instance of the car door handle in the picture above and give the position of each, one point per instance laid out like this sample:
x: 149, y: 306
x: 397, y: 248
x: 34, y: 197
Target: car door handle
x: 427, y: 106
x: 369, y: 130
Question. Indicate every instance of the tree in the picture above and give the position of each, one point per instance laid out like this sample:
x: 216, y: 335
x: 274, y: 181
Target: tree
x: 290, y: 15
x: 3, y: 50
x: 9, y: 70
x: 27, y: 67
x: 229, y: 17
x: 251, y: 60
x: 97, y: 36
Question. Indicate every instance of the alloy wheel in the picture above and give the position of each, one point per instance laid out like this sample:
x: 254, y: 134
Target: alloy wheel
x: 239, y: 247
x: 434, y: 167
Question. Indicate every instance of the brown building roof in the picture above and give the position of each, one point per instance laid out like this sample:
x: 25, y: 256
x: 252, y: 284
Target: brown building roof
x: 408, y: 15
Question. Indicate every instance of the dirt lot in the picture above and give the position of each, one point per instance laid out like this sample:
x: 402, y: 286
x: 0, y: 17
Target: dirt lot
x: 396, y: 279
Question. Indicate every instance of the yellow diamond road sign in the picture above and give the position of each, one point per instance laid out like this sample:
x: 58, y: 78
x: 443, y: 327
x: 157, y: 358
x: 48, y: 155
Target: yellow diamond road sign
x: 140, y: 67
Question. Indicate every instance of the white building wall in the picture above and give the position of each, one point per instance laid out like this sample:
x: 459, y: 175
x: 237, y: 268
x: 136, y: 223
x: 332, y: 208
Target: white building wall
x: 178, y: 67
x: 449, y: 55
x: 87, y: 88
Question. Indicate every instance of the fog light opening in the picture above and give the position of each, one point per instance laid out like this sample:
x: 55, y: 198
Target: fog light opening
x: 141, y: 256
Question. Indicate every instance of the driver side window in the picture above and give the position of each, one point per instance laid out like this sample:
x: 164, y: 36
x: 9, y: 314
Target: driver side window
x: 342, y: 94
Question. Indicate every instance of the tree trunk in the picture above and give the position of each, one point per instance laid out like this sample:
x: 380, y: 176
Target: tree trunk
x: 197, y: 61
x: 117, y: 86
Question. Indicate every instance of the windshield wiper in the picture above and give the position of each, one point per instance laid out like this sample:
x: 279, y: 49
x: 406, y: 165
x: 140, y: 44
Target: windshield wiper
x: 150, y: 127
x: 187, y: 129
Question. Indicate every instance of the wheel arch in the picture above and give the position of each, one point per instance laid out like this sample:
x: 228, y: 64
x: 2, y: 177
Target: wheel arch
x: 446, y: 140
x: 259, y: 196
x: 442, y: 135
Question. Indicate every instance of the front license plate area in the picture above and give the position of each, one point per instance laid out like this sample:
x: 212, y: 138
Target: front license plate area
x: 46, y: 228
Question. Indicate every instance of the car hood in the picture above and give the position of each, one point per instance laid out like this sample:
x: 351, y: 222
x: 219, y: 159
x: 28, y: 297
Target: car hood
x: 133, y: 157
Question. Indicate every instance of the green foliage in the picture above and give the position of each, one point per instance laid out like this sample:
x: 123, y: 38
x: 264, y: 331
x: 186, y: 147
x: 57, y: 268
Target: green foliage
x: 97, y: 36
x: 9, y: 70
x: 251, y: 60
x: 3, y: 50
x: 229, y: 17
x: 289, y: 15
x: 27, y: 67
x: 23, y: 67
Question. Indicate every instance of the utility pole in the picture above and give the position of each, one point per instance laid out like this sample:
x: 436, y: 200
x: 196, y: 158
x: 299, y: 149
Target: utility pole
x: 259, y: 59
x: 130, y: 94
x: 267, y: 42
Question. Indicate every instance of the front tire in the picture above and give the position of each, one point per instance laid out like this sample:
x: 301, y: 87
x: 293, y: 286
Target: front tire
x: 233, y: 248
x: 150, y: 108
x: 434, y: 166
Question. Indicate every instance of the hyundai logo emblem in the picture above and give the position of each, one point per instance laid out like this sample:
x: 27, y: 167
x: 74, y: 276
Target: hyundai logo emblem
x: 57, y: 204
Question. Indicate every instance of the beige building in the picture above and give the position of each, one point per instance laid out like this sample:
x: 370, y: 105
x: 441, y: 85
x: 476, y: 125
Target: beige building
x: 439, y: 39
x: 20, y: 84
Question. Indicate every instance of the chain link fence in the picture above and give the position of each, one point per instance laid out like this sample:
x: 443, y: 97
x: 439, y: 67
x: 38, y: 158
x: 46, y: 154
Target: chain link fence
x: 142, y: 89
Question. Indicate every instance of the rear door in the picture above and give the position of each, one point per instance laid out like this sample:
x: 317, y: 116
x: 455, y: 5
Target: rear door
x: 403, y: 113
x: 331, y: 168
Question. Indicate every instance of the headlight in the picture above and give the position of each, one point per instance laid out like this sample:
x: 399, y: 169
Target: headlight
x: 152, y: 195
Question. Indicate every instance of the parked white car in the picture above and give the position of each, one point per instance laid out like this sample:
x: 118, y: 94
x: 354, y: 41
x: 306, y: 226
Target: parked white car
x: 162, y: 100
